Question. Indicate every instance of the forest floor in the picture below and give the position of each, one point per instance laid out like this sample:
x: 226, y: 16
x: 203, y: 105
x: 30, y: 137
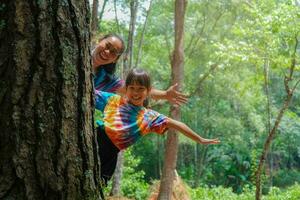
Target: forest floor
x: 179, y: 191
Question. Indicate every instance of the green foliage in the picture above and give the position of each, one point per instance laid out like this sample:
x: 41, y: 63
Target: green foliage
x: 243, y: 39
x: 220, y: 193
x: 133, y: 183
x: 286, y: 177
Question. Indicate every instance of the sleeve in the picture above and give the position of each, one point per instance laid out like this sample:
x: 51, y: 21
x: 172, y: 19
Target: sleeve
x: 107, y: 82
x: 158, y: 122
x: 101, y: 99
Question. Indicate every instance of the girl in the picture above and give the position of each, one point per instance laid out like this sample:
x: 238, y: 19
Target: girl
x: 125, y: 120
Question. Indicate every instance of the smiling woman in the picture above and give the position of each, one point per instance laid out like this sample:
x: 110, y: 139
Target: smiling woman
x: 108, y: 50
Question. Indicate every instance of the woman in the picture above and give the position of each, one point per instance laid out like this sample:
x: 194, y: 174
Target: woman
x: 104, y: 59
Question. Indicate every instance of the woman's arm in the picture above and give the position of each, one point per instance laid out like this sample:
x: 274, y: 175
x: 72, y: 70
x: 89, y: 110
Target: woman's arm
x: 188, y: 132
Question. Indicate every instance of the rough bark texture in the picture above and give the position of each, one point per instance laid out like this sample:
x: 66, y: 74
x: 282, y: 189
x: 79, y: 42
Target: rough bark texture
x: 167, y: 179
x: 47, y: 148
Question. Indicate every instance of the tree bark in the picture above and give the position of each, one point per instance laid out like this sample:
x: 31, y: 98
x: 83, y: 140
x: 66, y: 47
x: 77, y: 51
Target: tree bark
x: 166, y: 186
x: 47, y: 146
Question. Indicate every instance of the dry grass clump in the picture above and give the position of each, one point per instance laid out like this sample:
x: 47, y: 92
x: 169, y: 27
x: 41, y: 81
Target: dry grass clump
x: 179, y: 190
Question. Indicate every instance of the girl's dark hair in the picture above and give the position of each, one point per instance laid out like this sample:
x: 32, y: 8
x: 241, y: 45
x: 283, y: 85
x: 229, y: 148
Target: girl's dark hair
x: 138, y: 76
x: 111, y: 67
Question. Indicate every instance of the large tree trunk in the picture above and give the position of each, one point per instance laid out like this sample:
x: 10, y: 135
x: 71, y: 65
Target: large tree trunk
x: 47, y: 146
x: 165, y: 191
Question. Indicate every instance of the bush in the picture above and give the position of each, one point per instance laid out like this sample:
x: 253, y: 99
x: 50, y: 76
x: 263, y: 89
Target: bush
x: 286, y: 177
x: 220, y: 193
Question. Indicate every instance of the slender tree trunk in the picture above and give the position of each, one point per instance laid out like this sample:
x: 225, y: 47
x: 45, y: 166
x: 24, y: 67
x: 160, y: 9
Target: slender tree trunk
x: 102, y: 11
x: 116, y: 16
x: 166, y: 186
x: 94, y: 22
x: 271, y: 135
x: 129, y: 50
x: 116, y: 185
x: 139, y: 55
x: 268, y: 120
x: 47, y: 145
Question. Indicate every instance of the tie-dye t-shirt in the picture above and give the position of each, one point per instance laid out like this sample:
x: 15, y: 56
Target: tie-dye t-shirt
x: 125, y: 123
x: 107, y: 82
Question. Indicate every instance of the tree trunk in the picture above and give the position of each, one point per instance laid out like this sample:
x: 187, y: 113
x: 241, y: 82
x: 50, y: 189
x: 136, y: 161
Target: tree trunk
x: 47, y: 146
x: 116, y: 184
x: 166, y: 186
x: 102, y: 11
x: 139, y: 55
x: 116, y: 16
x: 129, y: 51
x: 289, y: 94
x: 94, y: 24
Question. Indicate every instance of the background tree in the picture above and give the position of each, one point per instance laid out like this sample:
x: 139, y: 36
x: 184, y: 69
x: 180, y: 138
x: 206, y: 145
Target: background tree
x: 166, y: 183
x: 47, y: 148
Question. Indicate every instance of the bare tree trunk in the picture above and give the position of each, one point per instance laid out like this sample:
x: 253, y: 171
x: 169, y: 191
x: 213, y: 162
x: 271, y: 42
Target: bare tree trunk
x: 94, y: 22
x: 116, y: 185
x: 96, y: 19
x: 133, y: 10
x: 129, y: 51
x: 102, y: 11
x: 139, y: 55
x: 289, y: 92
x: 268, y: 120
x: 166, y: 186
x: 116, y: 16
x: 47, y: 145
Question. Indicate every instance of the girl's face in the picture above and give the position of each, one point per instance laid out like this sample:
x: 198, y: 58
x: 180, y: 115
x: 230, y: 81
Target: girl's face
x: 107, y: 51
x: 136, y: 94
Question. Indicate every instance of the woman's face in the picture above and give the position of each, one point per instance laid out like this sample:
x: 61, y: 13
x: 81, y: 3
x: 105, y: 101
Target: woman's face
x: 107, y: 51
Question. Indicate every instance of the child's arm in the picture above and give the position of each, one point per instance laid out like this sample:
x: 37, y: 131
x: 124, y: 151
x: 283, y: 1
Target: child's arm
x: 184, y: 129
x: 171, y: 94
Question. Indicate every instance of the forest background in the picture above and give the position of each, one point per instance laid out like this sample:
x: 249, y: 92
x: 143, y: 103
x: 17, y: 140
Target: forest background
x: 238, y: 55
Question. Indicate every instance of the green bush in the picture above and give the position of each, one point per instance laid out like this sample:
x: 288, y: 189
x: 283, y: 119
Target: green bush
x: 286, y: 177
x: 220, y: 193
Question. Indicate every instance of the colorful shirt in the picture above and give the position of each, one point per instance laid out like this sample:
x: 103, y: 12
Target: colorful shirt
x: 125, y: 123
x: 107, y: 82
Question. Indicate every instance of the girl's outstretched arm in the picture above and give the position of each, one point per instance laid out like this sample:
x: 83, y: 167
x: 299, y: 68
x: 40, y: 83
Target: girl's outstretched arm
x: 171, y: 94
x: 188, y: 132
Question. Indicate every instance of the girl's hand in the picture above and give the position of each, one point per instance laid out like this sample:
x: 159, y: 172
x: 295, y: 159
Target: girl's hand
x: 174, y: 97
x: 210, y: 141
